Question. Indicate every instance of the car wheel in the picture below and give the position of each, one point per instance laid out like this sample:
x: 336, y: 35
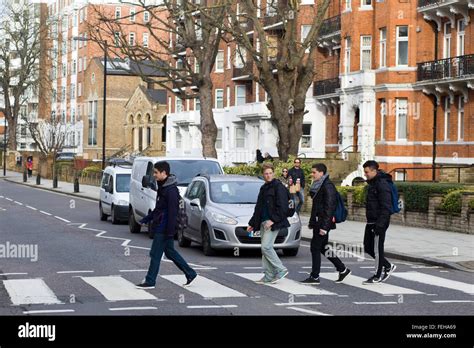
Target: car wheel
x: 132, y: 224
x: 103, y: 217
x: 206, y: 242
x: 182, y: 240
x: 151, y: 233
x: 115, y: 221
x: 290, y: 252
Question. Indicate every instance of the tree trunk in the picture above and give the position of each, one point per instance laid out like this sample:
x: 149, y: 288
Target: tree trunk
x: 12, y: 131
x: 208, y: 125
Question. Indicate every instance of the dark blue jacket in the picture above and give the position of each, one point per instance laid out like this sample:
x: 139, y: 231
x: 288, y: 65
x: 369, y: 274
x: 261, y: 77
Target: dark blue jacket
x: 164, y: 217
x: 379, y: 200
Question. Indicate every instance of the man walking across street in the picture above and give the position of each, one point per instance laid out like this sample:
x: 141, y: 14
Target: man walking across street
x: 378, y: 210
x: 297, y: 176
x: 269, y: 217
x: 323, y: 192
x: 164, y: 219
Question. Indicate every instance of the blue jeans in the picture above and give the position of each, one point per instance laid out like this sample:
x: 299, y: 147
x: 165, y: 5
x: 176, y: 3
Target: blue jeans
x: 300, y: 195
x: 163, y: 244
x: 271, y: 262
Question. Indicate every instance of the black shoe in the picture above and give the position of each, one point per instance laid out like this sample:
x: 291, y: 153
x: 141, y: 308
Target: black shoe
x: 343, y: 275
x: 372, y: 280
x: 388, y: 272
x: 311, y: 281
x: 144, y: 285
x: 189, y: 281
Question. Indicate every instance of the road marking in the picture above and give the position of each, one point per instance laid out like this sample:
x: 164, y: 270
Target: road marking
x: 444, y: 271
x: 45, y: 213
x: 131, y: 308
x: 60, y: 218
x: 375, y: 303
x: 30, y: 291
x: 2, y: 209
x: 212, y: 306
x: 254, y: 267
x: 205, y: 287
x: 310, y: 267
x: 72, y: 272
x: 30, y: 207
x: 1, y: 196
x: 7, y: 274
x: 381, y: 288
x: 304, y: 310
x: 298, y: 304
x: 116, y: 288
x: 44, y: 311
x: 133, y: 270
x: 453, y: 301
x: 436, y: 281
x: 423, y: 266
x: 288, y: 285
x: 9, y: 199
x: 19, y: 203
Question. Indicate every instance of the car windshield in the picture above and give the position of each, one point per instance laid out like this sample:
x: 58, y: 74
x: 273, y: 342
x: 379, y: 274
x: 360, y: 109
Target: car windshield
x: 186, y: 170
x: 123, y: 183
x: 235, y: 192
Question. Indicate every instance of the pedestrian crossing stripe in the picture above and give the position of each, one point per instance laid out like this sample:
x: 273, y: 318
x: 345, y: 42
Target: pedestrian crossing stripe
x: 436, y: 281
x: 381, y: 288
x: 205, y: 287
x: 116, y: 288
x: 287, y: 285
x: 30, y: 291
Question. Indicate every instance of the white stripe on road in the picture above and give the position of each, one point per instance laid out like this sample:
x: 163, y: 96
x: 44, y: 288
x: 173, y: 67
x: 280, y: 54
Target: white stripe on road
x: 381, y: 288
x: 19, y: 203
x: 307, y: 311
x: 133, y: 270
x: 131, y: 308
x: 453, y: 301
x: 7, y: 274
x: 436, y: 281
x: 298, y: 304
x: 254, y: 267
x: 212, y: 306
x: 60, y: 218
x: 288, y: 285
x: 310, y: 267
x: 205, y: 287
x: 45, y: 311
x: 45, y: 213
x: 375, y: 303
x: 116, y: 288
x: 30, y: 207
x: 9, y: 199
x: 72, y: 272
x: 30, y: 291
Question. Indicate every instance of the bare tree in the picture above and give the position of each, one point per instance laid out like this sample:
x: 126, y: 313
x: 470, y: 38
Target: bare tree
x: 184, y: 43
x: 284, y: 65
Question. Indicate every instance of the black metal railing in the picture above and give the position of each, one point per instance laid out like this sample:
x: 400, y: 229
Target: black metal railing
x: 454, y: 67
x: 245, y: 70
x: 330, y: 25
x: 423, y: 3
x: 326, y: 86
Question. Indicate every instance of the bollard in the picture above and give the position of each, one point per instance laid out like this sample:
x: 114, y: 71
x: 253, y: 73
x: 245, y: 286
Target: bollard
x: 38, y: 179
x: 25, y: 176
x: 76, y: 184
x: 55, y: 182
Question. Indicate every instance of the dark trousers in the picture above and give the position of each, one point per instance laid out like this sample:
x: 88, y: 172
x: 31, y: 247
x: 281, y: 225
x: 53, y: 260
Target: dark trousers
x: 319, y: 245
x: 374, y: 246
x: 161, y: 245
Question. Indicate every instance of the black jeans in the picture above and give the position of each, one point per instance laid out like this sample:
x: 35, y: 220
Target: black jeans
x: 319, y: 245
x: 374, y: 246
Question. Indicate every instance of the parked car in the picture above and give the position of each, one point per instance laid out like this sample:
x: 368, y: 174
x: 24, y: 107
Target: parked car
x: 142, y: 184
x: 114, y: 193
x: 65, y: 156
x: 219, y: 208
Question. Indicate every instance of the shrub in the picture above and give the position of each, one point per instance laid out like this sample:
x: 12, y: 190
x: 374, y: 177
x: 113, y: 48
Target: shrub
x: 360, y: 194
x: 91, y: 169
x: 471, y: 204
x: 416, y: 195
x: 452, y: 202
x: 343, y: 191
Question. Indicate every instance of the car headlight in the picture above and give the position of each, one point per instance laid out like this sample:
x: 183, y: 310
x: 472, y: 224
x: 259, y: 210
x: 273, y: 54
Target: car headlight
x: 223, y: 219
x: 122, y: 202
x: 294, y: 219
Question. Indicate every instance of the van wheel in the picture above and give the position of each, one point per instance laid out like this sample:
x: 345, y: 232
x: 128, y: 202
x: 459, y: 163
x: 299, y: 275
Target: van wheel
x: 115, y: 221
x: 290, y: 252
x: 132, y: 224
x: 206, y: 242
x: 151, y: 233
x: 182, y: 240
x: 103, y: 217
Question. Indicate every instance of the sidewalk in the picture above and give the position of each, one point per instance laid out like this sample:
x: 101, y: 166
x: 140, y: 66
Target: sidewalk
x: 447, y: 249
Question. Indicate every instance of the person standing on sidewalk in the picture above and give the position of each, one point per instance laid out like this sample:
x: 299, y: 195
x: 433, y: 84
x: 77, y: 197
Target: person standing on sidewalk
x: 323, y: 192
x: 164, y: 219
x: 297, y: 173
x: 378, y: 209
x: 269, y: 217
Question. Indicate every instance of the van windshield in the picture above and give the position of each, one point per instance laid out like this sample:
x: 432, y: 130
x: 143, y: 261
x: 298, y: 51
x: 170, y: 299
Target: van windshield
x: 123, y: 183
x: 186, y: 170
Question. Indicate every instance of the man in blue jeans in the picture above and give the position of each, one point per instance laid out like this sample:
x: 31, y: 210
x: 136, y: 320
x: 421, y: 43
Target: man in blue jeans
x: 164, y: 220
x: 296, y: 173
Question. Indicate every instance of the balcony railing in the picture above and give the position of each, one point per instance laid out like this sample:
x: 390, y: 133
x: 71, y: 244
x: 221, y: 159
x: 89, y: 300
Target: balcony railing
x: 330, y: 25
x: 324, y: 87
x: 455, y: 67
x: 245, y: 70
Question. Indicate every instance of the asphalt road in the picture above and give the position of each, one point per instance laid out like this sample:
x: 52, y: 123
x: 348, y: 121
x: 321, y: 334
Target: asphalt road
x: 88, y: 267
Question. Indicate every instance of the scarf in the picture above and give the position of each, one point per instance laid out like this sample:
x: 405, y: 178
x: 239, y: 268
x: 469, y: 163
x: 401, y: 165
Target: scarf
x: 316, y: 185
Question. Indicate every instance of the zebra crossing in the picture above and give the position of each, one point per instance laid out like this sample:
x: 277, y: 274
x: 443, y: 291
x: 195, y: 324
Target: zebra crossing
x: 238, y: 285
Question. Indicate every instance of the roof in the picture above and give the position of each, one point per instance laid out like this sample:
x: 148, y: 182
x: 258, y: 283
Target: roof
x: 118, y: 66
x: 157, y: 95
x: 164, y: 158
x: 119, y: 169
x: 232, y: 177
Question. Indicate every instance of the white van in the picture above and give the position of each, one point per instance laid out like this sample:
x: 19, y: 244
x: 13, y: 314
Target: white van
x: 114, y: 193
x: 143, y: 192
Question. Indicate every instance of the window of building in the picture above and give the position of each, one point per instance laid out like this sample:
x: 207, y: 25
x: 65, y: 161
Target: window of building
x: 348, y: 5
x: 84, y: 63
x: 240, y: 57
x: 383, y: 48
x: 118, y: 12
x: 132, y: 14
x: 73, y: 91
x: 240, y: 136
x: 347, y: 55
x: 306, y: 137
x: 461, y: 27
x: 117, y: 39
x: 228, y: 60
x: 73, y: 115
x: 219, y: 138
x: 227, y: 104
x: 178, y: 139
x: 365, y: 52
x: 220, y: 61
x: 79, y: 68
x: 305, y: 29
x: 383, y: 118
x: 447, y: 40
x: 240, y: 94
x: 79, y: 89
x: 179, y: 105
x: 402, y: 118
x: 92, y: 138
x: 131, y: 39
x: 461, y: 118
x: 73, y: 67
x: 197, y: 104
x: 146, y: 16
x: 447, y: 117
x: 219, y: 102
x: 399, y: 175
x: 271, y: 8
x: 63, y: 93
x: 366, y: 3
x: 145, y: 40
x: 402, y: 46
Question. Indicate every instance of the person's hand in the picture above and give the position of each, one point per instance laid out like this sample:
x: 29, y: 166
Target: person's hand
x: 322, y: 232
x: 249, y: 228
x: 268, y: 224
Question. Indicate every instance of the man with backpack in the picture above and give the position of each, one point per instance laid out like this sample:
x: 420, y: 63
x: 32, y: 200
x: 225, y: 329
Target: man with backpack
x: 381, y: 203
x: 164, y: 219
x: 269, y: 217
x: 322, y: 220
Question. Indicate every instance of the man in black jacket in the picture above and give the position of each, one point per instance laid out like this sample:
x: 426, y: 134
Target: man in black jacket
x: 269, y: 217
x: 378, y: 209
x: 296, y: 173
x: 323, y: 192
x: 164, y: 220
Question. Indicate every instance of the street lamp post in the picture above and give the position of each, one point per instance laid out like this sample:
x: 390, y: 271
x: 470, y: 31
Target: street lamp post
x: 5, y: 147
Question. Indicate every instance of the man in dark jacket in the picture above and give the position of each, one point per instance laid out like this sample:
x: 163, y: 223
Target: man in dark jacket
x: 378, y: 210
x: 296, y: 173
x: 323, y: 192
x: 163, y: 222
x: 269, y: 217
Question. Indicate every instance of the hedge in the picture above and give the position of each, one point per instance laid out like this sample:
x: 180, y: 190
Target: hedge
x: 471, y: 204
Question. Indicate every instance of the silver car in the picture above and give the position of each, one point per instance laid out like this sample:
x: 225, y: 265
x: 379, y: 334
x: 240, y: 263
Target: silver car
x: 219, y: 208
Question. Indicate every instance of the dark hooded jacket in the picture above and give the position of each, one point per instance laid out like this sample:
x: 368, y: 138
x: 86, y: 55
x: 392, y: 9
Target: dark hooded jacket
x: 379, y: 200
x: 324, y: 206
